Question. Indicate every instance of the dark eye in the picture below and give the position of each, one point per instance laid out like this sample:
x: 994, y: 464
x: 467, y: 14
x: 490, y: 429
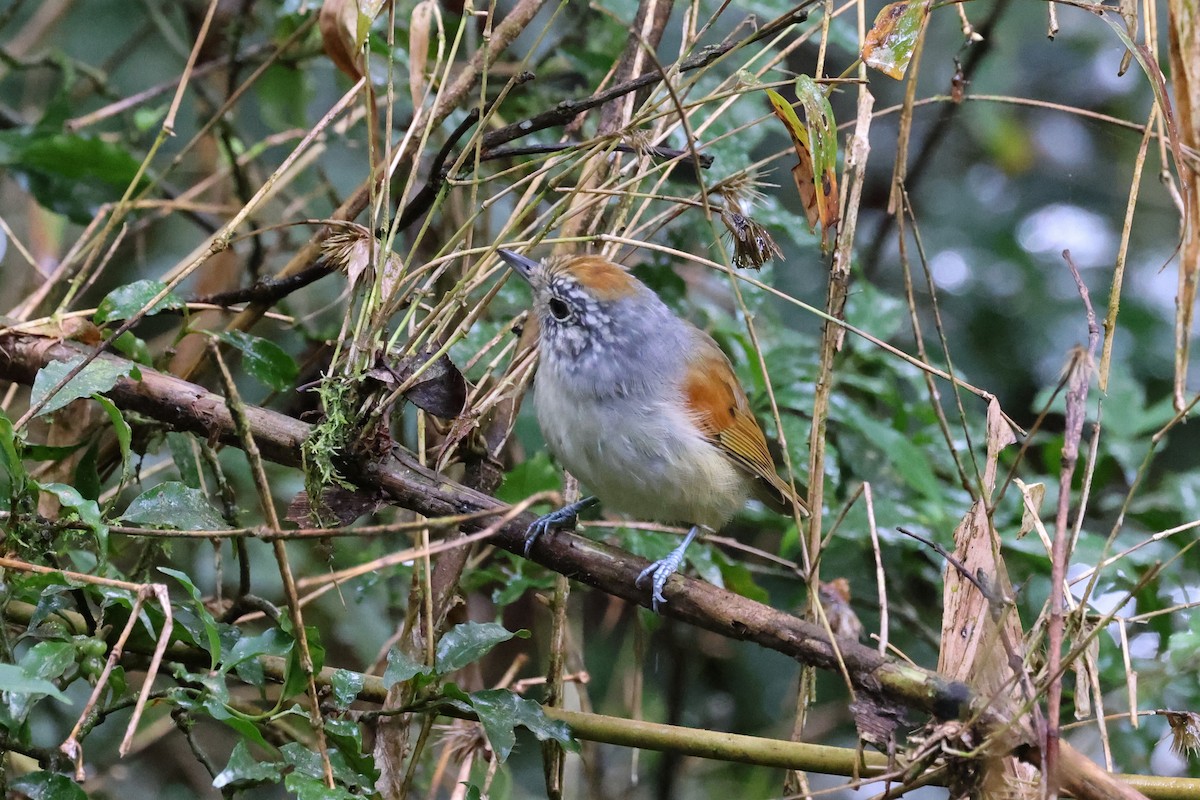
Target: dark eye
x: 559, y: 309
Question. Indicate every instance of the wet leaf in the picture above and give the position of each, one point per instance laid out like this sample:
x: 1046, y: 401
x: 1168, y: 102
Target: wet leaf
x: 243, y: 771
x: 125, y: 301
x: 208, y: 623
x: 468, y: 642
x: 86, y: 510
x: 346, y: 685
x: 96, y: 378
x: 46, y: 786
x: 174, y: 506
x: 500, y: 712
x: 890, y: 42
x: 401, y: 667
x: 264, y: 359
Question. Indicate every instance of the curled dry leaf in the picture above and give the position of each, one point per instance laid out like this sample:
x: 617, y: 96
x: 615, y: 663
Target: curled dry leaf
x: 1036, y: 492
x: 440, y: 389
x: 420, y: 26
x: 344, y: 25
x: 890, y: 42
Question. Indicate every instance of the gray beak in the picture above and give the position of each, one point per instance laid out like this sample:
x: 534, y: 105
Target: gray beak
x: 522, y: 265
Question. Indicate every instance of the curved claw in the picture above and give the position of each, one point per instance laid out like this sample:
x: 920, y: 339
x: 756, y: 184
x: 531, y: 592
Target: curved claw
x: 565, y: 517
x: 663, y: 569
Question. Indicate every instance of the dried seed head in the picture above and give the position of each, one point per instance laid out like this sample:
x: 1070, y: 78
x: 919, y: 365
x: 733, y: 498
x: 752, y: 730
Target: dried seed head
x: 753, y: 246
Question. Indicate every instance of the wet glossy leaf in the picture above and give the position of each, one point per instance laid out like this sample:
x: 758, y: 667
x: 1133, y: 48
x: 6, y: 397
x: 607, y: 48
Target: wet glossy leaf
x: 468, y: 642
x: 211, y: 634
x: 346, y: 685
x: 400, y: 667
x: 500, y: 712
x: 96, y: 378
x: 19, y: 680
x: 126, y: 301
x: 264, y: 359
x: 243, y: 771
x: 46, y: 786
x: 124, y: 434
x: 890, y: 42
x: 173, y: 506
x: 86, y: 510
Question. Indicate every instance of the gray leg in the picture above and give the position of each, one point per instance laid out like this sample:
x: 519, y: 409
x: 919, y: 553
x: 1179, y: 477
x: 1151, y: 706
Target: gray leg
x: 565, y: 517
x: 665, y: 568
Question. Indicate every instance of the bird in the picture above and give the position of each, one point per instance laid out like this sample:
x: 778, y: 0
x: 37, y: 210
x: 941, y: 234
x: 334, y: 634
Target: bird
x: 642, y: 406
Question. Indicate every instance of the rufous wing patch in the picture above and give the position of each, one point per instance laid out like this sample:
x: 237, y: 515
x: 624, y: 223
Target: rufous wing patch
x: 720, y: 409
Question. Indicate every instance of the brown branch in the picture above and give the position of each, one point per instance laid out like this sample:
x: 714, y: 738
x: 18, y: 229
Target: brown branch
x: 185, y: 406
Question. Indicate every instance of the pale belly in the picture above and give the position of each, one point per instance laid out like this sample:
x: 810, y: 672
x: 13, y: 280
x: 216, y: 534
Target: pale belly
x: 653, y: 466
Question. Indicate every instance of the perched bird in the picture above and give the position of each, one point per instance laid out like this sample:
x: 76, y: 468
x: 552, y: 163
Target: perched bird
x: 641, y: 406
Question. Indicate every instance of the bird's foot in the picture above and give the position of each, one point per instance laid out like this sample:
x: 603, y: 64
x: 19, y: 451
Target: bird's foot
x: 565, y: 517
x: 663, y: 569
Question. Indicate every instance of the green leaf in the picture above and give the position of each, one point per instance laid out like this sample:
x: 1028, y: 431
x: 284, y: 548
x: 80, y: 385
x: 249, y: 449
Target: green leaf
x: 186, y: 459
x: 400, y: 668
x: 217, y: 709
x: 294, y: 681
x: 346, y: 686
x: 468, y: 642
x: 87, y: 473
x: 124, y: 435
x: 909, y: 460
x: 500, y: 711
x: 243, y: 771
x: 133, y: 348
x: 349, y: 758
x: 13, y: 476
x: 173, y: 506
x: 533, y: 475
x: 87, y: 510
x: 68, y: 173
x: 264, y: 359
x: 16, y: 680
x: 96, y: 378
x: 46, y: 786
x: 126, y: 301
x: 309, y: 788
x: 211, y: 632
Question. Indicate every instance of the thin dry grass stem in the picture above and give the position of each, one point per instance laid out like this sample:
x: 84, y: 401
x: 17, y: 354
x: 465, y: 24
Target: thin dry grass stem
x: 935, y: 397
x: 1118, y: 279
x: 266, y: 501
x: 880, y: 573
x: 72, y: 747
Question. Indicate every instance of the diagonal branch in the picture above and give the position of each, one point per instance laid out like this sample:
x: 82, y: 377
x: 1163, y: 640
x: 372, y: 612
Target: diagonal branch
x: 186, y: 406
